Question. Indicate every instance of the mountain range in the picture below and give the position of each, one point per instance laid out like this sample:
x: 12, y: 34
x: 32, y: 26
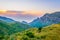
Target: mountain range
x: 39, y: 28
x: 6, y: 19
x: 46, y: 20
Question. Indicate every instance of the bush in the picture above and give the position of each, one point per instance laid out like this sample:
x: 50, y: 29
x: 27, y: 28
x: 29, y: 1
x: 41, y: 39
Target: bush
x: 30, y: 35
x: 39, y: 29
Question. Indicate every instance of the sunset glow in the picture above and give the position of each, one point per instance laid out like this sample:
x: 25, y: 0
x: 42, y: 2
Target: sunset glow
x: 36, y: 13
x: 3, y: 11
x: 30, y: 12
x: 28, y: 9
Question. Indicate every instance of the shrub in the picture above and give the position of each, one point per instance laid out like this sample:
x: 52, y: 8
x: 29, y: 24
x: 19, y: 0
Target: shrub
x: 30, y: 35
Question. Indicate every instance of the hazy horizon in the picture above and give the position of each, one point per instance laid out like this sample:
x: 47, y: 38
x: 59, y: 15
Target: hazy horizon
x: 29, y: 9
x: 20, y: 16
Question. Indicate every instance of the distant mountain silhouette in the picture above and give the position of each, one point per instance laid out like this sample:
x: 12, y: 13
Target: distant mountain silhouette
x: 47, y: 19
x: 24, y: 22
x: 6, y: 19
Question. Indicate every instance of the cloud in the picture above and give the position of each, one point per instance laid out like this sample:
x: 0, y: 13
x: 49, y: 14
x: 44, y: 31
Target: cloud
x: 34, y: 13
x: 10, y: 12
x: 18, y: 15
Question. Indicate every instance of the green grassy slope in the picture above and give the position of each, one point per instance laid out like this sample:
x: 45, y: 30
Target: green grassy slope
x: 7, y: 29
x: 51, y: 32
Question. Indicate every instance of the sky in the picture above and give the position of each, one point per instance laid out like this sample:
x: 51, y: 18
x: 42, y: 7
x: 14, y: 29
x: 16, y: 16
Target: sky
x: 31, y: 8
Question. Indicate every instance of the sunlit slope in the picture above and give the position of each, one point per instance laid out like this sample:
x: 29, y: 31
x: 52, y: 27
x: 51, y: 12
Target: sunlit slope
x: 51, y: 32
x: 3, y: 11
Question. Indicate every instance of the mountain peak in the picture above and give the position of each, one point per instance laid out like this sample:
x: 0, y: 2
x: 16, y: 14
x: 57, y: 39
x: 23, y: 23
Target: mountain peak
x: 24, y: 22
x: 46, y: 14
x: 38, y: 18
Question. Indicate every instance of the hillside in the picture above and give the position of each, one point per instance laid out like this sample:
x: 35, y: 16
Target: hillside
x: 7, y: 29
x: 13, y: 27
x: 51, y: 32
